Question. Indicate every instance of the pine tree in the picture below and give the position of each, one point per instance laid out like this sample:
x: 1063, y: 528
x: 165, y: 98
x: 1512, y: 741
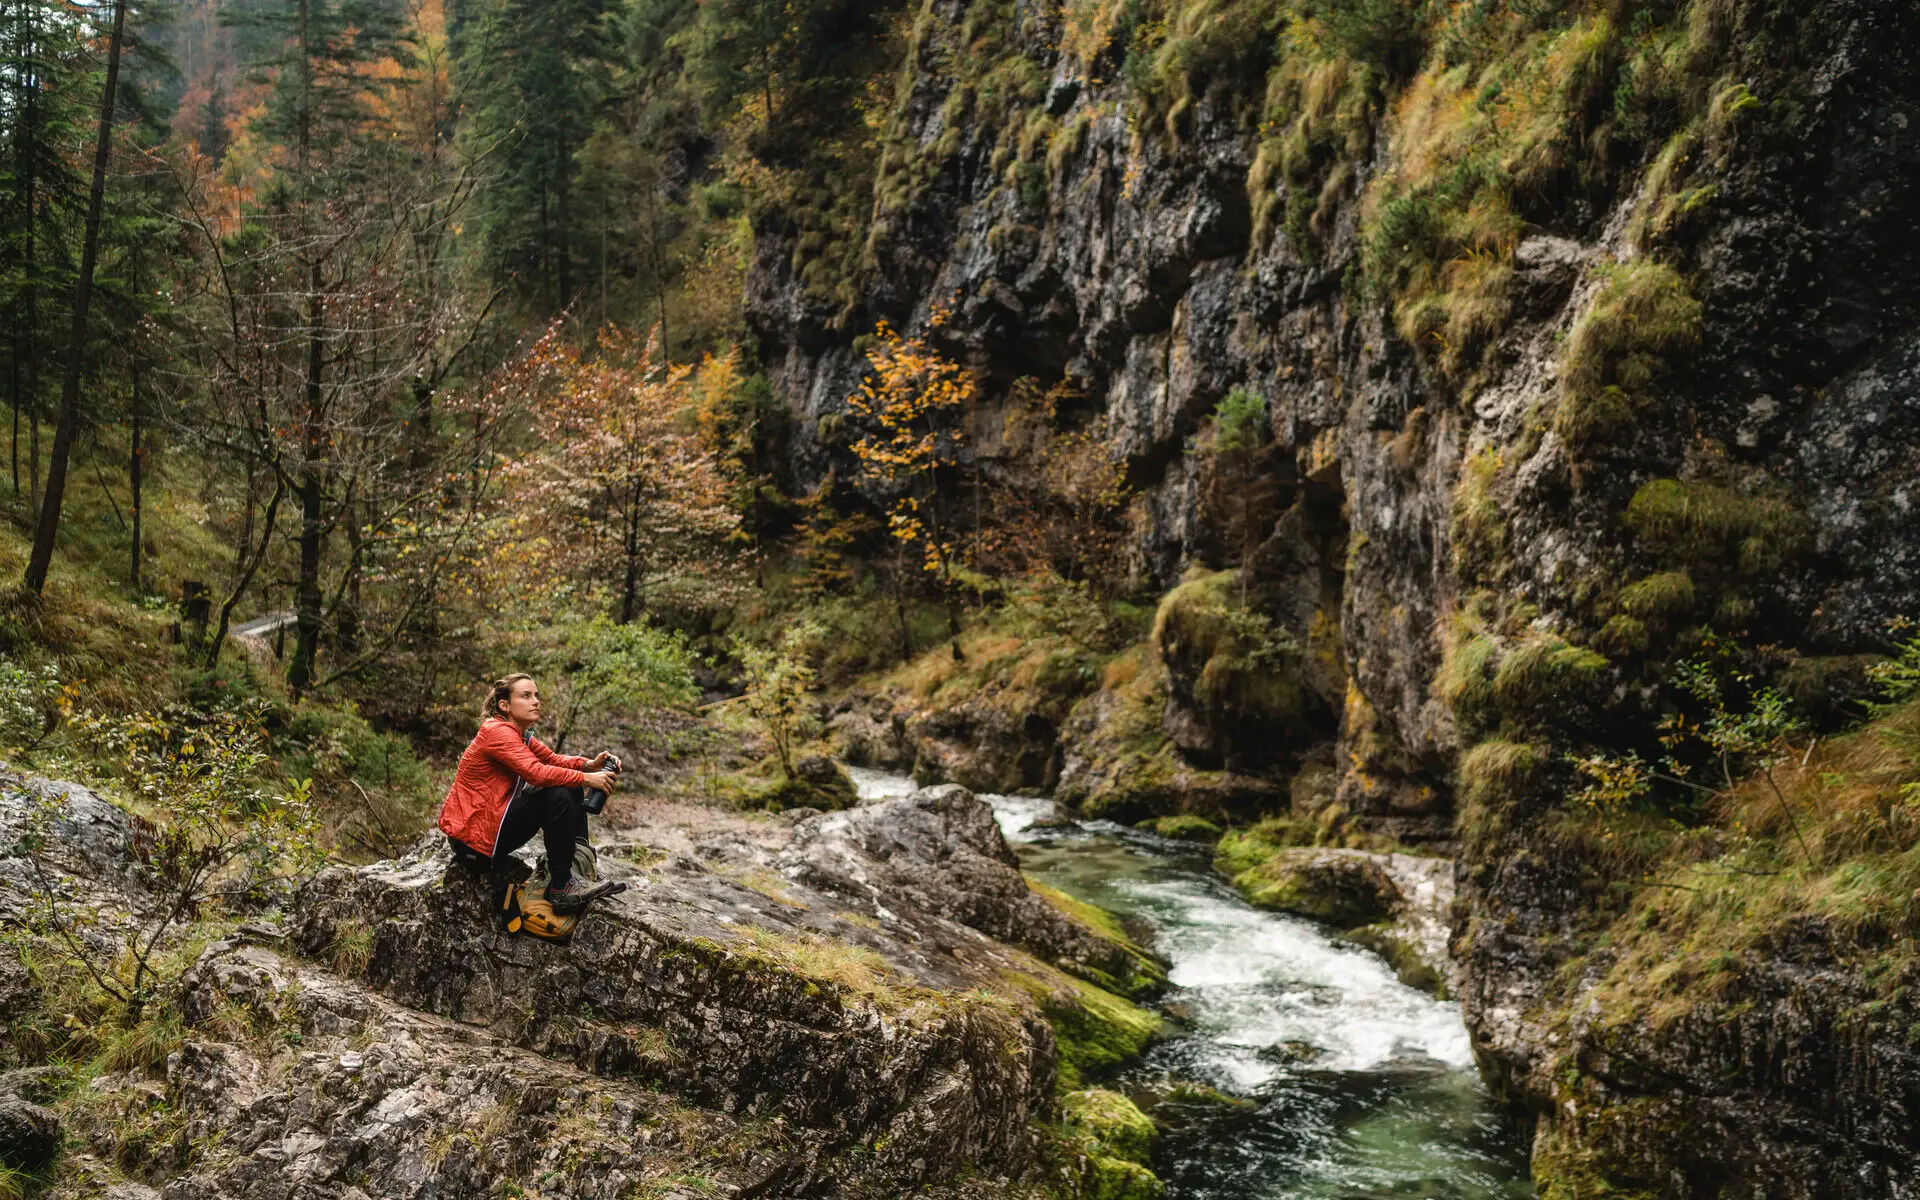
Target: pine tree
x: 47, y: 527
x: 535, y: 72
x: 45, y: 123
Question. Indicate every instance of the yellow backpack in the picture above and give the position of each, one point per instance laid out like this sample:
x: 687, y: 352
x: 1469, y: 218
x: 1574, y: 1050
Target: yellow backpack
x: 524, y: 909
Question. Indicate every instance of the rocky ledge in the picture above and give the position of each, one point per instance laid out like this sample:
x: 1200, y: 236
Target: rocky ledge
x: 865, y: 1010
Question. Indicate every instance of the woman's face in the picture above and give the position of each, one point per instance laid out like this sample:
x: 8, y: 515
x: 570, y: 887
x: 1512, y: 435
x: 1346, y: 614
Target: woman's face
x: 523, y: 703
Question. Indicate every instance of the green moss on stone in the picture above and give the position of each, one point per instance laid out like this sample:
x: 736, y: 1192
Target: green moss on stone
x: 1689, y: 523
x: 1185, y: 826
x: 1117, y: 1179
x: 1142, y: 973
x: 1094, y: 1030
x: 1479, y: 529
x: 1660, y: 597
x: 1114, y: 1124
x: 1240, y: 668
x: 1643, y: 313
x: 1622, y: 636
x: 1412, y: 969
x: 1343, y: 890
x: 1543, y: 670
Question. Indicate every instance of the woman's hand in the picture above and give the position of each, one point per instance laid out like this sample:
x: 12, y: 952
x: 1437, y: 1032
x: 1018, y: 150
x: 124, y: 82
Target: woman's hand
x: 599, y: 760
x: 604, y: 780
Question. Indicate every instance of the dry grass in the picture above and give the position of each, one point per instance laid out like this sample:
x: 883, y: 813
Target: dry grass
x: 1744, y: 891
x: 855, y: 969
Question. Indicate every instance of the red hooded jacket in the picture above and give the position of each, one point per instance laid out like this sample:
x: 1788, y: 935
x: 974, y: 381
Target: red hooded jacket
x: 476, y: 804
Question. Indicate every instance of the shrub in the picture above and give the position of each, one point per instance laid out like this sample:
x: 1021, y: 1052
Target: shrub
x: 1387, y: 34
x: 626, y: 667
x: 30, y: 704
x: 779, y: 683
x: 219, y: 835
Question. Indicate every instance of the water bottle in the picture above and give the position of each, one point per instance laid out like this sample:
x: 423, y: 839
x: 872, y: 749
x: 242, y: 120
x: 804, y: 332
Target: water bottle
x: 594, y: 799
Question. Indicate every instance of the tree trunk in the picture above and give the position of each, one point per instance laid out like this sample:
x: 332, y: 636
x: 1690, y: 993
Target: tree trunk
x: 49, y: 521
x: 27, y: 140
x: 311, y: 491
x: 420, y: 451
x: 310, y: 487
x: 250, y: 564
x: 135, y: 452
x: 563, y: 220
x: 346, y: 620
x: 630, y: 586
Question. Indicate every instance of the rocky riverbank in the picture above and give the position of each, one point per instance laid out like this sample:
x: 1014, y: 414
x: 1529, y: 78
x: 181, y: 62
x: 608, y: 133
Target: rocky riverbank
x: 858, y: 1003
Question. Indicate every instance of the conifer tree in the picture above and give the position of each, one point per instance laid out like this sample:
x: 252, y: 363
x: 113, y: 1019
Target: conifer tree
x: 534, y: 70
x: 47, y: 527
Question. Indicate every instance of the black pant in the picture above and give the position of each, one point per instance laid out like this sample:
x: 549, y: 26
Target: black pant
x: 554, y: 812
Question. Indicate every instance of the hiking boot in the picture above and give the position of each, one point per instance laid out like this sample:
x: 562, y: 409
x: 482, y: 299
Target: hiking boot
x: 573, y: 895
x: 578, y: 893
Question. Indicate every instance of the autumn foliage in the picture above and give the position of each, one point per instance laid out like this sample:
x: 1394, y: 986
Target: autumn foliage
x: 619, y: 492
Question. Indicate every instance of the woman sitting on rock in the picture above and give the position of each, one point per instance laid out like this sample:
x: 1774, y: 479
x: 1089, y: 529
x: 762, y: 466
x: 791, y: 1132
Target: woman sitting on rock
x: 510, y: 786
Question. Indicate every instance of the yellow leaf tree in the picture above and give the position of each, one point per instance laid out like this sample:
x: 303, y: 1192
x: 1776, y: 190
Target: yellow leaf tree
x: 910, y: 406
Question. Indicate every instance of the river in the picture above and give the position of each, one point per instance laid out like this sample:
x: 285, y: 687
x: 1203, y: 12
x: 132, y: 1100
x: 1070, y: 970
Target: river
x: 1353, y: 1085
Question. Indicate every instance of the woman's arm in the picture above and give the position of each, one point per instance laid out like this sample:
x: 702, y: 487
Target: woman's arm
x: 547, y: 755
x: 505, y: 747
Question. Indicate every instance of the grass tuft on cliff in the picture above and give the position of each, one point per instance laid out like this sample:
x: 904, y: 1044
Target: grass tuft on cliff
x: 1825, y: 870
x: 1643, y: 314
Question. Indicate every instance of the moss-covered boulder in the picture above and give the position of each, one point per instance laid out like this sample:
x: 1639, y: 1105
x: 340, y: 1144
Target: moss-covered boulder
x: 1236, y: 692
x: 1347, y: 888
x: 1094, y: 1030
x: 1183, y: 826
x: 817, y: 783
x: 1114, y: 1123
x: 1116, y: 1139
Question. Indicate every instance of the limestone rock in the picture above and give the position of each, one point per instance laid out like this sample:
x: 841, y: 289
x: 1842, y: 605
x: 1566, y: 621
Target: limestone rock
x: 29, y: 1134
x: 1347, y: 888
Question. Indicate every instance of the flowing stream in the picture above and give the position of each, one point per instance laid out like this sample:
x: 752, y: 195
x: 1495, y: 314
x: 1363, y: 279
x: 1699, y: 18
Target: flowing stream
x: 1350, y: 1084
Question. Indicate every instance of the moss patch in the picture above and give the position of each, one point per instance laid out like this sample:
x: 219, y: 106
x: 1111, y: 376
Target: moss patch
x: 1114, y: 1124
x: 1095, y: 1031
x: 1139, y: 974
x: 1644, y: 312
x: 1343, y: 890
x: 1184, y: 826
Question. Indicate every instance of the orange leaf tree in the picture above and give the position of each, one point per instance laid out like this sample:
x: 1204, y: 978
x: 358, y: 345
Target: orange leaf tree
x: 621, y: 492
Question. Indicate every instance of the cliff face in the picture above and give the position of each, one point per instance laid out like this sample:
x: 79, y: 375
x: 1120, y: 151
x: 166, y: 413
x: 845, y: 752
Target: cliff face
x: 1583, y: 335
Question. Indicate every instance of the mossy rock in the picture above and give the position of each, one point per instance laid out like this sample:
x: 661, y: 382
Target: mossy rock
x: 1115, y: 1124
x: 1184, y: 1105
x: 1117, y: 1179
x: 1407, y: 964
x: 1341, y: 887
x: 1184, y: 826
x: 1095, y: 1031
x: 815, y: 783
x: 1235, y: 678
x: 1128, y: 970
